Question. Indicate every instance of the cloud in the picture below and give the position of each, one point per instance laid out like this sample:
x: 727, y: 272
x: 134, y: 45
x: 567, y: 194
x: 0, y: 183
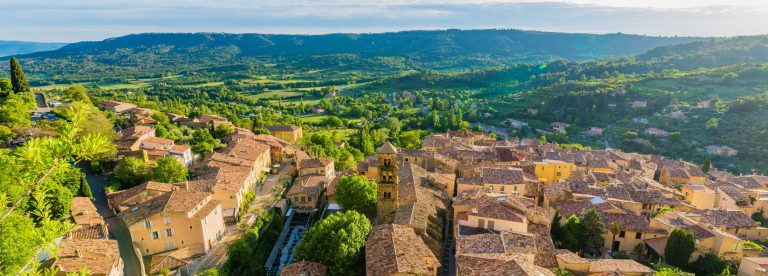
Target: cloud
x: 75, y: 20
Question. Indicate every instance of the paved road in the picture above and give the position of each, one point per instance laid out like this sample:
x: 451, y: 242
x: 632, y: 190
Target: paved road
x: 218, y: 254
x: 117, y: 230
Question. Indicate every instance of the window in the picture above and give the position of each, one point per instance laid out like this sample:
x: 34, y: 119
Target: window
x: 155, y: 235
x: 147, y: 224
x: 302, y: 199
x: 501, y: 189
x: 638, y: 235
x: 481, y: 223
x: 205, y: 221
x: 146, y: 193
x: 169, y: 232
x: 491, y: 224
x: 167, y: 220
x: 147, y: 250
x: 622, y: 234
x: 231, y: 197
x: 190, y: 227
x: 182, y: 242
x: 309, y: 198
x: 559, y: 174
x: 514, y: 188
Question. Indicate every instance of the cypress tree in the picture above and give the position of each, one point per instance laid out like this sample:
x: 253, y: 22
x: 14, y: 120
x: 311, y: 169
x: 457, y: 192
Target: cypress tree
x: 85, y: 189
x: 680, y: 246
x: 19, y: 81
x: 707, y: 164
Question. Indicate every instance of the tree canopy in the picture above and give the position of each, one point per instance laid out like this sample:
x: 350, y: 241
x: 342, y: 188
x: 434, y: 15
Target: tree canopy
x: 168, y: 170
x: 680, y: 246
x: 355, y: 192
x: 18, y: 78
x: 337, y: 242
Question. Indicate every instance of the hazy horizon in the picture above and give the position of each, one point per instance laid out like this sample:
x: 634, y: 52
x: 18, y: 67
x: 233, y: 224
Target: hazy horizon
x: 89, y: 20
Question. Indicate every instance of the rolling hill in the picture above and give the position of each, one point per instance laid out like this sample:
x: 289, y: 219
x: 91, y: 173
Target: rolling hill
x: 9, y: 48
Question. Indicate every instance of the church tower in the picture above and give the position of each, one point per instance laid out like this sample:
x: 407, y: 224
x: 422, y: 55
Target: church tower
x: 386, y: 203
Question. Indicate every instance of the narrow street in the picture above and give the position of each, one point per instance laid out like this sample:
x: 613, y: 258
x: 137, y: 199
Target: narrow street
x: 218, y: 254
x: 117, y: 229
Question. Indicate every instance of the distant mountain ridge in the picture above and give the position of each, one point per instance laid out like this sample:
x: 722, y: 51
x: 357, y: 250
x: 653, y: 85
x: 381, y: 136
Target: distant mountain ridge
x: 9, y: 48
x: 510, y: 45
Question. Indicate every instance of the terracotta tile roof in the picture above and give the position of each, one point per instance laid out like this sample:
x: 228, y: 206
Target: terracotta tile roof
x: 84, y: 212
x: 135, y: 131
x: 435, y: 141
x: 545, y: 247
x: 114, y: 103
x: 309, y: 184
x: 503, y: 176
x: 422, y: 203
x: 556, y: 190
x: 315, y: 163
x: 395, y: 249
x: 387, y: 148
x: 498, y: 265
x: 118, y: 198
x: 98, y: 255
x: 508, y: 154
x: 417, y: 153
x: 519, y: 243
x: 657, y: 244
x: 161, y: 262
x: 618, y: 265
x: 728, y: 219
x: 304, y: 268
x: 492, y: 207
x: 651, y: 196
x: 98, y: 231
x: 245, y: 149
x: 178, y: 201
x: 158, y: 140
x: 735, y: 193
x: 698, y: 232
x: 180, y: 148
x: 485, y: 243
x: 570, y: 257
x: 271, y: 140
x: 283, y: 128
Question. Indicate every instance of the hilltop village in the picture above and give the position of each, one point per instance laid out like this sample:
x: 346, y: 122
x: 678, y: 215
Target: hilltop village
x: 463, y: 204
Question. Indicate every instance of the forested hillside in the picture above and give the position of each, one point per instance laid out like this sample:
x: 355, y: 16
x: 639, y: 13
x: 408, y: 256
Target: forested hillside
x: 142, y: 54
x: 8, y: 48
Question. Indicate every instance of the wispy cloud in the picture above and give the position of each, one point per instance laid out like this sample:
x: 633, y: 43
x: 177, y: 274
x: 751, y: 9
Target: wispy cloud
x: 74, y: 20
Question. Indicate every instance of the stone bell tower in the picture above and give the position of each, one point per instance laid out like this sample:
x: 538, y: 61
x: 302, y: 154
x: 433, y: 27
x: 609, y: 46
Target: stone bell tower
x: 386, y: 203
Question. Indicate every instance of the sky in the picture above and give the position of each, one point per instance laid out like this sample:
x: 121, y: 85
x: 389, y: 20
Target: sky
x: 78, y: 20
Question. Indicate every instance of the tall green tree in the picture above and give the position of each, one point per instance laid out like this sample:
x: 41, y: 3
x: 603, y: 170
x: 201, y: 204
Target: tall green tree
x: 18, y: 78
x: 707, y: 164
x: 572, y: 233
x: 131, y: 172
x: 14, y: 112
x: 592, y: 236
x: 680, y: 246
x: 355, y: 192
x: 168, y: 170
x: 337, y: 242
x: 76, y: 93
x: 556, y: 230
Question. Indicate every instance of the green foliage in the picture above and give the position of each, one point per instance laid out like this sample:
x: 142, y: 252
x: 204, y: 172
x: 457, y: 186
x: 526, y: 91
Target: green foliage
x: 131, y: 172
x: 561, y: 272
x: 210, y: 272
x: 668, y: 270
x: 18, y: 243
x: 707, y: 164
x: 709, y: 264
x: 410, y: 139
x: 556, y: 230
x: 168, y: 170
x: 337, y: 242
x: 14, y: 112
x: 85, y: 189
x: 355, y: 192
x: 19, y: 80
x: 680, y: 245
x: 76, y: 93
x: 222, y: 130
x: 6, y: 135
x: 592, y: 236
x: 572, y: 233
x: 5, y: 88
x: 249, y: 252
